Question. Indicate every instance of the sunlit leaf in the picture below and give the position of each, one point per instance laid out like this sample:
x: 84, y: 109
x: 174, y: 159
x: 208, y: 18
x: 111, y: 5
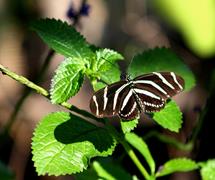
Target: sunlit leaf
x: 64, y: 144
x: 128, y: 126
x: 67, y: 80
x: 208, y: 170
x: 170, y: 117
x: 177, y: 165
x: 161, y: 59
x: 63, y: 38
x: 142, y: 147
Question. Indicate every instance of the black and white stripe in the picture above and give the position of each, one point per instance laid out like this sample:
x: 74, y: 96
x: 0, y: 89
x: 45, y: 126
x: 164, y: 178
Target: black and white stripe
x: 128, y: 98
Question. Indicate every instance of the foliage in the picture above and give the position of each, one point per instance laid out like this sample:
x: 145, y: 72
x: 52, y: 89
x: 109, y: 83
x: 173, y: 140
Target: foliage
x: 63, y: 39
x: 208, y: 170
x: 177, y: 165
x: 170, y: 117
x: 142, y: 147
x: 67, y: 80
x: 64, y: 143
x: 128, y: 126
x: 161, y: 59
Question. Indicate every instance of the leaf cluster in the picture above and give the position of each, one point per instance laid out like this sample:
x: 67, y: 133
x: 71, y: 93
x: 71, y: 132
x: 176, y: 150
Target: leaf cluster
x: 64, y: 143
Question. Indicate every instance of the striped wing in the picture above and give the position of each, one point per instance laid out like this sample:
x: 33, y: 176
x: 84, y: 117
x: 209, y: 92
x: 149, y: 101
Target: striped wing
x: 129, y: 107
x: 107, y: 102
x: 152, y: 90
x: 127, y: 99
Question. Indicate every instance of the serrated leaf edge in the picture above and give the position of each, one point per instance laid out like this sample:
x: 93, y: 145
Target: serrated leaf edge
x: 172, y: 52
x: 180, y: 114
x: 58, y: 21
x: 88, y: 158
x: 106, y: 51
x: 131, y: 129
x: 81, y: 72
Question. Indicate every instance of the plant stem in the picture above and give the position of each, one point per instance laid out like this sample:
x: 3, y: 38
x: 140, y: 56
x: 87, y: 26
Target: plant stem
x: 134, y: 158
x: 23, y: 80
x: 27, y: 91
x: 169, y: 140
x: 40, y: 76
x: 85, y: 113
x: 45, y: 93
x: 128, y: 149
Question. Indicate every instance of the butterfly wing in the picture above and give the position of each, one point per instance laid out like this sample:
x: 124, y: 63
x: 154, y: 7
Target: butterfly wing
x: 106, y: 102
x: 129, y: 108
x: 147, y: 93
x: 155, y: 88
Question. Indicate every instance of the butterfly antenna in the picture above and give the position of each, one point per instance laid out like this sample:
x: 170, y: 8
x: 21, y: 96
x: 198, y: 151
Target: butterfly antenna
x: 124, y: 74
x: 102, y: 81
x: 114, y: 65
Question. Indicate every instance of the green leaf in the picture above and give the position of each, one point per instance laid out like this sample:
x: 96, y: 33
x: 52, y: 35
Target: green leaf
x: 63, y: 38
x: 5, y: 172
x: 64, y: 144
x: 208, y: 170
x: 107, y: 169
x: 106, y: 68
x: 105, y: 59
x: 177, y: 165
x: 128, y: 126
x: 170, y: 117
x: 110, y: 76
x: 67, y: 80
x: 142, y: 147
x: 161, y: 59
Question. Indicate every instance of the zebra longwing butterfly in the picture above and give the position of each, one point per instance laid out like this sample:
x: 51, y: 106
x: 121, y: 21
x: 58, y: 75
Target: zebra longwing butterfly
x: 128, y: 98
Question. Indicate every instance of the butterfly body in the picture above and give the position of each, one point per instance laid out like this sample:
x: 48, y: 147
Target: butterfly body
x: 128, y: 98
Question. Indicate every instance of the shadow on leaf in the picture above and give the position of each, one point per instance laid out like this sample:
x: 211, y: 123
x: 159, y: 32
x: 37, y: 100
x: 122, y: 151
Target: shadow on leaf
x: 77, y: 130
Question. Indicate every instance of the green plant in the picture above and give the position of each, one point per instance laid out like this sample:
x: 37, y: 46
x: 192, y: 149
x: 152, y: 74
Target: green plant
x: 65, y: 142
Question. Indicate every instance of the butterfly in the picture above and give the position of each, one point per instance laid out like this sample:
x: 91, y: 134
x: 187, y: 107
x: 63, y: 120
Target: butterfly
x: 129, y: 98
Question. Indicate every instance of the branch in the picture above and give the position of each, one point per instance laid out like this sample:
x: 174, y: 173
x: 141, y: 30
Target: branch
x: 128, y: 149
x: 45, y: 93
x: 169, y: 140
x: 40, y: 76
x: 23, y: 80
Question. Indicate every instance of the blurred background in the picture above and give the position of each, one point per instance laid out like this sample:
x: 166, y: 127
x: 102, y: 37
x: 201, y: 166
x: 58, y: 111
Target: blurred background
x: 127, y: 26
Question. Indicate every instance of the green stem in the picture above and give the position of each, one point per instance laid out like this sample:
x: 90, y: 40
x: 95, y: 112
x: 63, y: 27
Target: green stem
x: 85, y: 114
x: 81, y: 111
x: 39, y: 79
x: 45, y: 93
x: 128, y: 149
x: 136, y: 161
x: 23, y: 80
x: 27, y: 91
x: 169, y: 140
